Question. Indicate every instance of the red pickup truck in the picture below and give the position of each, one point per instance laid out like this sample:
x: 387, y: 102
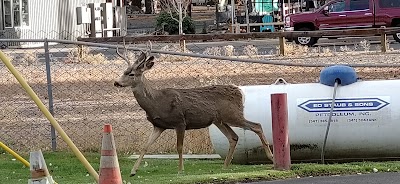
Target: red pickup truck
x: 345, y: 14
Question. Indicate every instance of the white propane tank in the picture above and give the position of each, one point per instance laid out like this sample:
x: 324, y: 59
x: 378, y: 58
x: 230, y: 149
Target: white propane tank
x: 365, y: 122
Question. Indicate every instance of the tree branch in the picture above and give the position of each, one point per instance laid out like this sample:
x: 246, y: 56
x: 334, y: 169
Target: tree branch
x: 172, y: 6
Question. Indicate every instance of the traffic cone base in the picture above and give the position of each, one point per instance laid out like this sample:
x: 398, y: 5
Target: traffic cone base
x: 38, y: 168
x: 111, y: 174
x: 44, y: 180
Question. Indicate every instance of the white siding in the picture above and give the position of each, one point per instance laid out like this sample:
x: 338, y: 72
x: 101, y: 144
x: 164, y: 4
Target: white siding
x: 67, y: 18
x: 53, y: 19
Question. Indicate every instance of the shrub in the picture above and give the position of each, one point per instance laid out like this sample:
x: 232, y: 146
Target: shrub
x: 172, y: 26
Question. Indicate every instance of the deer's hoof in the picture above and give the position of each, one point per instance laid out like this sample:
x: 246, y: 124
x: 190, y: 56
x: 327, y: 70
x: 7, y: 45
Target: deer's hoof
x: 132, y: 174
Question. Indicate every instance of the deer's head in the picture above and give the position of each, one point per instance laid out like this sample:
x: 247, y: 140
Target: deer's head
x: 133, y: 74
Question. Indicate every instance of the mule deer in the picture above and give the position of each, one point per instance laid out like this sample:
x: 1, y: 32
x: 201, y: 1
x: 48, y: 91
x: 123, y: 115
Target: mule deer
x: 187, y: 109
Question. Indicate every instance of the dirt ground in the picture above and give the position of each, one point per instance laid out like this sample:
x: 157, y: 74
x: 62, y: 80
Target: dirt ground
x: 85, y: 98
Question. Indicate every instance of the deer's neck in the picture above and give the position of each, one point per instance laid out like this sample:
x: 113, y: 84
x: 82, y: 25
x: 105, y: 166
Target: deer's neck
x: 145, y: 93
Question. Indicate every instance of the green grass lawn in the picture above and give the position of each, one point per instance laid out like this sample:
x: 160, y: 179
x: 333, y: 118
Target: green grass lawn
x: 66, y: 169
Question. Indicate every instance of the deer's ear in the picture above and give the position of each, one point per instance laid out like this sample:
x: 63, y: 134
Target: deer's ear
x: 149, y: 65
x: 145, y: 65
x: 150, y: 59
x: 141, y: 57
x: 149, y: 62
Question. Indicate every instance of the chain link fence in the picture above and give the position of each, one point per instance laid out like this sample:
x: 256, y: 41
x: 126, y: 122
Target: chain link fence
x: 78, y: 86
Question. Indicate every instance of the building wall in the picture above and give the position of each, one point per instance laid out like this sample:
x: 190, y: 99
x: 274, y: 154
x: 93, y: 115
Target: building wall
x: 67, y: 18
x: 52, y: 19
x: 43, y: 18
x: 42, y: 22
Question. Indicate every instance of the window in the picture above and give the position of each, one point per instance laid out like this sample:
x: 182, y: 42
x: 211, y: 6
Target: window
x: 25, y: 13
x: 389, y: 3
x: 359, y: 5
x: 337, y: 7
x: 16, y: 13
x: 7, y: 13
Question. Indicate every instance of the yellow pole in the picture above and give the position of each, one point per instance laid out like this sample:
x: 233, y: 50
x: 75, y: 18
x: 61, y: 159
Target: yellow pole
x: 48, y: 115
x: 19, y: 158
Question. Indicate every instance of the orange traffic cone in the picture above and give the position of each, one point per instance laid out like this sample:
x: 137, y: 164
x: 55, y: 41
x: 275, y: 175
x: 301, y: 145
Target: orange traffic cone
x: 109, y: 166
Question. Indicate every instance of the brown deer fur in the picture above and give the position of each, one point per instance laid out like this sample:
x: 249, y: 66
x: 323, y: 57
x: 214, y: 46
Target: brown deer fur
x: 186, y: 109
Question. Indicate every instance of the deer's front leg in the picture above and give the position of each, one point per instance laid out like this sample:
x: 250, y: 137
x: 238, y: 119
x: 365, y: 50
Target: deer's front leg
x: 180, y: 136
x: 153, y: 137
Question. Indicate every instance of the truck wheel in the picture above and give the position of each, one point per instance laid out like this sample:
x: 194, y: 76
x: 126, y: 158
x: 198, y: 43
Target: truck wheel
x: 309, y: 41
x: 396, y: 36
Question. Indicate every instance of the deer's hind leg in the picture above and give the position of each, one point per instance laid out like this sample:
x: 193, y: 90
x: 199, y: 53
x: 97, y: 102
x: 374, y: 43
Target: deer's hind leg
x: 256, y: 128
x: 153, y: 137
x: 232, y: 138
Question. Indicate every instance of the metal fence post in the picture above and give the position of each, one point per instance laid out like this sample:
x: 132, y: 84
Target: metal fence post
x: 282, y: 43
x: 383, y: 39
x: 50, y: 93
x: 247, y: 16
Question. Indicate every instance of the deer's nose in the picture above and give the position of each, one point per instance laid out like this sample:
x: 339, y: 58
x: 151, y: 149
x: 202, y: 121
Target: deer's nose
x: 116, y: 84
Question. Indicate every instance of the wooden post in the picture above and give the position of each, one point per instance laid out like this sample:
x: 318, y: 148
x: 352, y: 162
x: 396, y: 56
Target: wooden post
x: 80, y: 52
x: 39, y: 172
x: 280, y: 131
x: 182, y: 44
x: 383, y: 39
x: 282, y: 44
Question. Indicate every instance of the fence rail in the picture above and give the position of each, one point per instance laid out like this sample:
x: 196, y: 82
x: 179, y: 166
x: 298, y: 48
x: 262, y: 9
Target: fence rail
x: 383, y: 31
x: 262, y: 61
x: 242, y: 36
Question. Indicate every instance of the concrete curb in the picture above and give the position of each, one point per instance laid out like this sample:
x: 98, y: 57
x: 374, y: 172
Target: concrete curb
x: 175, y: 156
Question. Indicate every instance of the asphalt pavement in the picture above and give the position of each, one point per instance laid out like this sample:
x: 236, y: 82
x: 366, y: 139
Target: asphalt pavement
x: 373, y: 178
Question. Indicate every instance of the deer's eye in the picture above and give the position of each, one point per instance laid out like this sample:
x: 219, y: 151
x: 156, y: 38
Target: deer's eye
x: 131, y: 74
